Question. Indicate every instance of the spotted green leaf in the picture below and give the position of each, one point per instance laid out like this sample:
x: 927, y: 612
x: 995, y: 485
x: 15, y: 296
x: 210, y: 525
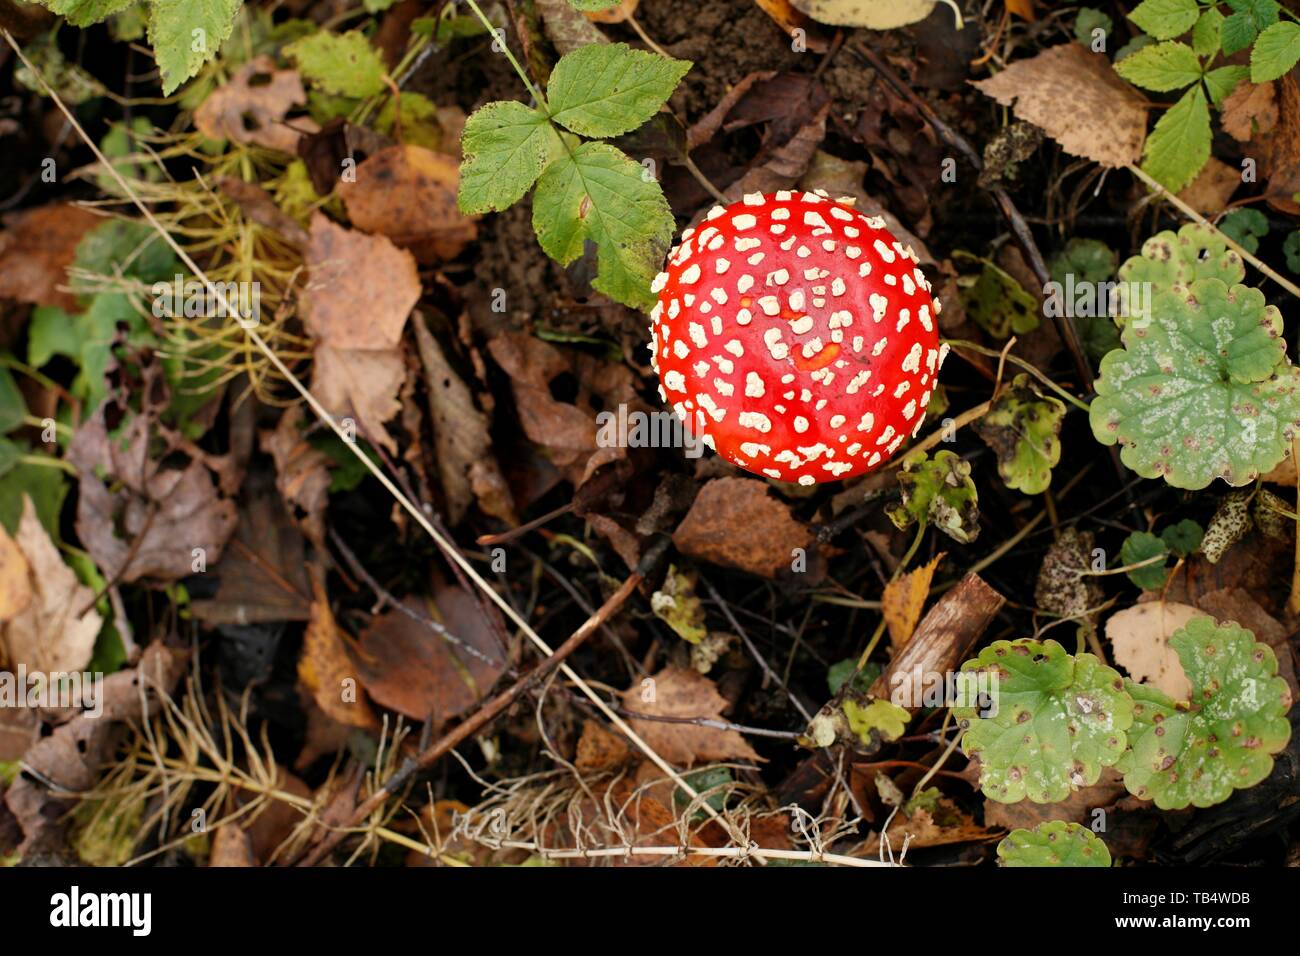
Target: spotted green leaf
x: 1051, y: 844
x: 1169, y: 258
x: 1197, y: 752
x: 1023, y: 427
x: 506, y: 146
x: 1058, y: 720
x: 1202, y: 388
x: 938, y: 491
x: 596, y: 193
x: 606, y: 89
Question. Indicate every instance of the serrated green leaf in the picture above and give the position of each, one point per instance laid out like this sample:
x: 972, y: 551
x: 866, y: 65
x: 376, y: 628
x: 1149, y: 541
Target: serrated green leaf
x: 1207, y: 32
x: 1237, y: 33
x: 342, y: 64
x: 1201, y: 390
x: 1023, y: 427
x: 506, y: 146
x: 606, y: 89
x: 1222, y: 81
x: 1179, y: 144
x: 1276, y: 51
x: 185, y: 34
x: 1165, y: 19
x: 1052, y: 844
x: 1161, y: 67
x: 597, y: 194
x: 1141, y: 546
x: 1059, y: 719
x: 1262, y: 13
x: 82, y: 13
x: 1197, y: 752
x: 1183, y: 538
x: 940, y: 492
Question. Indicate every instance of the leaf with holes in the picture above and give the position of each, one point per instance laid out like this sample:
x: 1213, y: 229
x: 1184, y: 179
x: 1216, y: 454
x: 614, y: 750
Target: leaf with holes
x: 1202, y: 388
x: 1177, y: 258
x: 1197, y: 752
x: 938, y: 491
x: 1057, y: 720
x: 1051, y: 844
x: 1024, y: 427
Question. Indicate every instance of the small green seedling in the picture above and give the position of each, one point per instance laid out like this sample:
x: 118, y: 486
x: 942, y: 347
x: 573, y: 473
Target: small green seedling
x: 938, y: 491
x: 1197, y: 752
x: 1051, y: 844
x: 1024, y: 427
x: 1180, y: 539
x: 1058, y: 720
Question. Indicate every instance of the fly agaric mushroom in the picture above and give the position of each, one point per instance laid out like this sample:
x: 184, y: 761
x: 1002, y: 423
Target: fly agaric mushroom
x: 796, y: 337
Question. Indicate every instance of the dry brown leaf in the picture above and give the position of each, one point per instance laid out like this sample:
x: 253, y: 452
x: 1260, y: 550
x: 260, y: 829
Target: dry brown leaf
x: 56, y: 629
x: 616, y: 14
x: 1106, y: 120
x: 325, y: 668
x: 36, y: 248
x: 1024, y: 9
x: 904, y: 599
x: 1140, y: 636
x: 600, y: 749
x: 736, y: 523
x: 943, y: 825
x: 678, y: 692
x: 1213, y: 186
x: 301, y: 473
x: 1282, y: 159
x: 231, y: 847
x: 408, y: 193
x: 1249, y: 110
x: 15, y: 584
x: 844, y: 178
x: 362, y: 383
x: 251, y: 108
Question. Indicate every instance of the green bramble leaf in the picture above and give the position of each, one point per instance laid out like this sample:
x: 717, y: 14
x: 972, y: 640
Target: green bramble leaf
x: 1161, y: 67
x: 1179, y: 143
x: 597, y: 194
x: 506, y: 146
x: 1165, y: 19
x: 1051, y: 844
x: 607, y: 89
x: 1222, y: 81
x: 1207, y: 32
x: 1262, y: 13
x: 1024, y: 427
x: 82, y: 13
x: 1197, y: 752
x: 1245, y: 227
x: 1237, y: 33
x: 1276, y: 51
x: 1202, y: 389
x: 938, y: 491
x: 1139, y: 547
x: 1058, y: 720
x: 342, y: 64
x: 185, y: 34
x: 1179, y: 258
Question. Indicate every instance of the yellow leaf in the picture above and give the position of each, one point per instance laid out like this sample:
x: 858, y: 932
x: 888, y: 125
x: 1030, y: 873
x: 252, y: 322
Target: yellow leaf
x: 904, y: 599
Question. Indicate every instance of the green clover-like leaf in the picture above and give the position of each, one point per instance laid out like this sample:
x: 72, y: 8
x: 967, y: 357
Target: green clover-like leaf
x: 1197, y: 752
x: 1202, y: 388
x: 1058, y: 720
x: 1051, y: 844
x: 1179, y: 258
x: 939, y: 491
x: 1023, y: 427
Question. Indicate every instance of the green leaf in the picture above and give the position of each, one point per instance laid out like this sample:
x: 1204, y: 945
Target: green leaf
x: 1089, y: 260
x: 1238, y: 32
x: 1223, y: 81
x: 1165, y: 19
x: 1276, y: 51
x: 82, y: 13
x: 1262, y: 13
x: 1245, y: 227
x: 592, y: 6
x: 1207, y: 32
x: 1179, y: 144
x: 1088, y: 20
x: 1197, y: 752
x: 506, y: 146
x: 938, y: 491
x: 996, y: 301
x: 676, y: 604
x: 1183, y: 538
x: 344, y: 64
x: 1024, y: 427
x: 1058, y: 720
x: 1138, y: 547
x: 1162, y: 67
x: 12, y: 407
x: 606, y: 89
x: 45, y: 486
x: 1051, y: 844
x: 841, y: 672
x: 596, y: 193
x: 1201, y: 390
x: 1291, y: 249
x: 185, y: 34
x: 882, y: 717
x: 1169, y: 258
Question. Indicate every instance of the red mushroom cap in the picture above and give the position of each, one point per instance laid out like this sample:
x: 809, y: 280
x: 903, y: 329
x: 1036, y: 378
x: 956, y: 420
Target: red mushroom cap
x: 796, y: 337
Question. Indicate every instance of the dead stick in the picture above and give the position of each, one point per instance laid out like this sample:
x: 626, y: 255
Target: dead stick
x: 480, y: 719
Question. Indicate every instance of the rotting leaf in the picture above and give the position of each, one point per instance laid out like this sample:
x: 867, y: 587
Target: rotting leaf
x: 904, y: 599
x: 1053, y: 844
x: 678, y: 692
x: 997, y: 302
x: 676, y: 604
x: 735, y: 522
x: 252, y: 105
x: 1023, y: 427
x: 938, y: 491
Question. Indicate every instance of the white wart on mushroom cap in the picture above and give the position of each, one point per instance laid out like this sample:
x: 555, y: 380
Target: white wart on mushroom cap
x: 796, y: 336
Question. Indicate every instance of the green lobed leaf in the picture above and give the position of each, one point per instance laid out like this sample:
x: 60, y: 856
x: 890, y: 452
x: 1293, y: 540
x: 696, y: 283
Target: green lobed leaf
x: 938, y: 491
x: 1183, y: 538
x: 506, y: 146
x: 1090, y: 260
x: 1276, y: 51
x: 1161, y: 67
x: 606, y: 89
x: 343, y: 64
x: 185, y: 34
x: 1165, y: 19
x: 1179, y: 143
x: 1245, y: 227
x: 597, y: 194
x: 1169, y: 258
x: 1138, y: 547
x: 1059, y: 720
x: 1051, y: 844
x: 1291, y: 250
x: 1197, y: 752
x: 1088, y: 20
x: 1201, y: 390
x: 1024, y: 427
